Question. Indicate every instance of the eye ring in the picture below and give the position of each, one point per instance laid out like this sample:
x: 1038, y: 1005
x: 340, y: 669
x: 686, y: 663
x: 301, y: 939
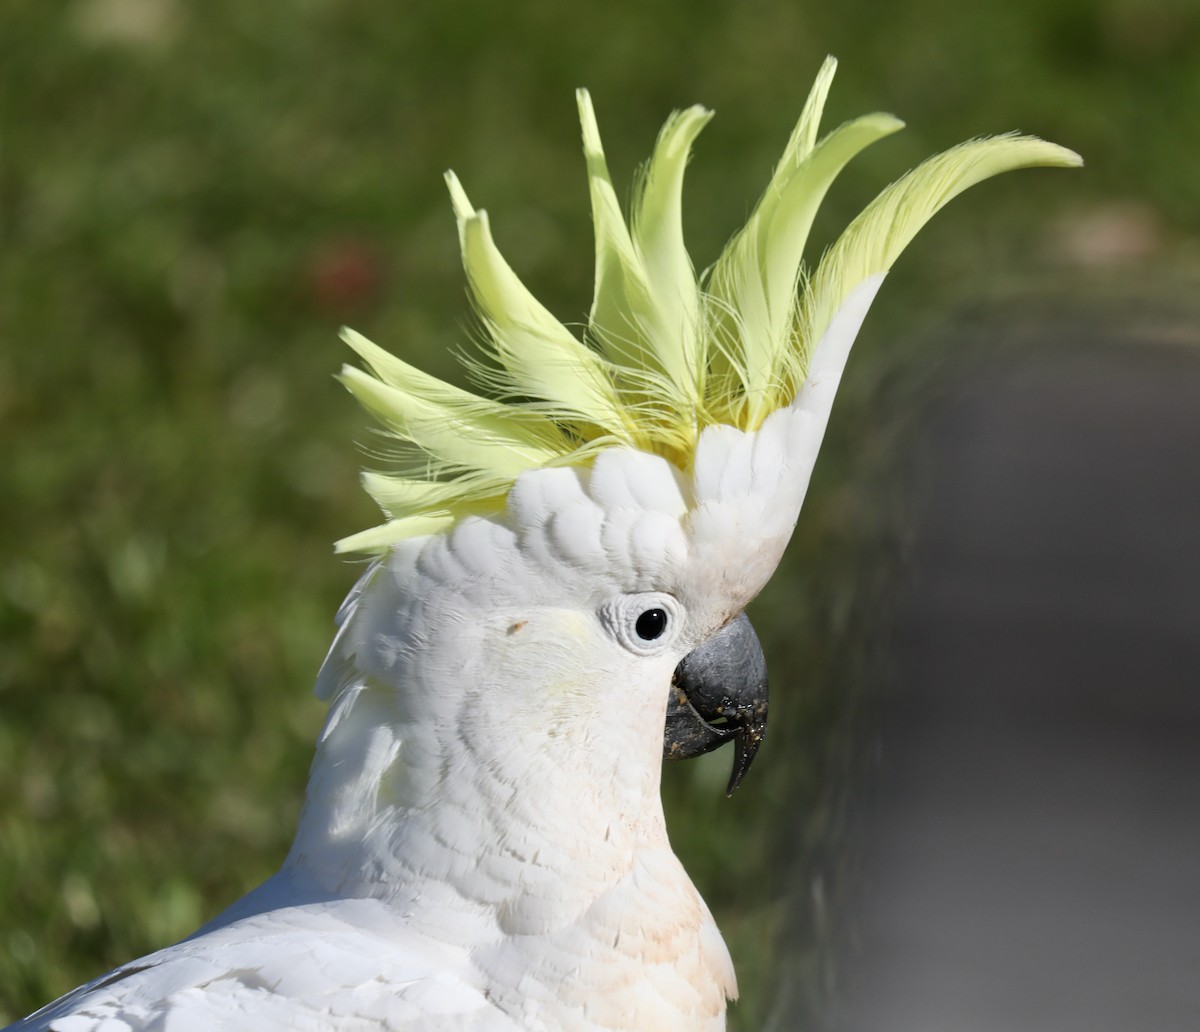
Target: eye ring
x: 646, y: 623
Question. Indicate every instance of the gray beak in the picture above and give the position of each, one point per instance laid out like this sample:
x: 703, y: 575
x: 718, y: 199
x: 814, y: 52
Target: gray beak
x: 718, y: 693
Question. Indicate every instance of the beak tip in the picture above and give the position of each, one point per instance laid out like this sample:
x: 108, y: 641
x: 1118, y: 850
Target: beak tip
x: 746, y: 742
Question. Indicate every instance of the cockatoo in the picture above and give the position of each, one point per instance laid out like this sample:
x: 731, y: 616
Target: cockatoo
x: 555, y: 603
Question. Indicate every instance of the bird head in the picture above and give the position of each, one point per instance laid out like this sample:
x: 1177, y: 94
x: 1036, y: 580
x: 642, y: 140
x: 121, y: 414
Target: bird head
x: 613, y: 499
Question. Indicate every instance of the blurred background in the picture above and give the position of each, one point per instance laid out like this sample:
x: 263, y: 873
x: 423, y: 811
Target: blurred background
x: 194, y: 197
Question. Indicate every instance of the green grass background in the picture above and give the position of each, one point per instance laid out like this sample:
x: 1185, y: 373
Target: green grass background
x: 194, y: 196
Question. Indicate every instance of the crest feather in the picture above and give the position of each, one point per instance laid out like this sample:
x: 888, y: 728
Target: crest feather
x: 882, y: 230
x: 658, y: 242
x: 455, y: 427
x: 758, y: 275
x: 664, y: 356
x: 540, y: 356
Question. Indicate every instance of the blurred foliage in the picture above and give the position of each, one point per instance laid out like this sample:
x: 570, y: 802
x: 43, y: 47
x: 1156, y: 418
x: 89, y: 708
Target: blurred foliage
x: 194, y: 196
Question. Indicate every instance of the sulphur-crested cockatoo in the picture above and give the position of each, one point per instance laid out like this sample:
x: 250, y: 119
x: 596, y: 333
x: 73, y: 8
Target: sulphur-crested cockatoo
x: 562, y: 572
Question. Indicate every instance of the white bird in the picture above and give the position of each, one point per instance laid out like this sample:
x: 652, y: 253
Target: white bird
x: 562, y: 574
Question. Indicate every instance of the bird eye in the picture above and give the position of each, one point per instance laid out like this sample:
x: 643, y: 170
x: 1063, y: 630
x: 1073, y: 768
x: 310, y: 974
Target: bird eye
x: 651, y: 624
x: 646, y: 623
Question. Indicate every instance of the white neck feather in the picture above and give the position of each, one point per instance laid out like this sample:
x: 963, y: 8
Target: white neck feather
x: 471, y: 780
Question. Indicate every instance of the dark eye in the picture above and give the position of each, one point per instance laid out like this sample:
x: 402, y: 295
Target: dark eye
x: 645, y: 623
x: 651, y: 624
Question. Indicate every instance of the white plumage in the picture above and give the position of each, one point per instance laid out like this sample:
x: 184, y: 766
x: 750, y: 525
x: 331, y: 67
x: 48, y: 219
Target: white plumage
x: 483, y: 845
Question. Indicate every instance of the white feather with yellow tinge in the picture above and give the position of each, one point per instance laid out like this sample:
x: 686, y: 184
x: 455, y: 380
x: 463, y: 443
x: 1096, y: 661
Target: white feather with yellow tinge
x: 483, y: 846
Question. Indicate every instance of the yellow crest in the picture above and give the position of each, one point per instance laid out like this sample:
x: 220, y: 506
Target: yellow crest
x: 664, y: 354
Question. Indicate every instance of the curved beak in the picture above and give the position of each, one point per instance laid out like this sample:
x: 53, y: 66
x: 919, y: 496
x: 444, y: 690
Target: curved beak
x: 718, y: 693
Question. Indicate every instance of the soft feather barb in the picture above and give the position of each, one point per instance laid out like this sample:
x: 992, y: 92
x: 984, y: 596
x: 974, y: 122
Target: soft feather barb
x: 665, y: 353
